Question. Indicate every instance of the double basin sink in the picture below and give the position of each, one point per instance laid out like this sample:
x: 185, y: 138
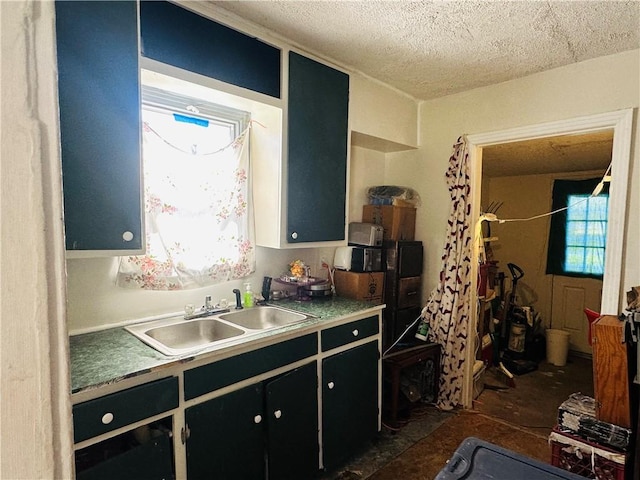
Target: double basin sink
x: 177, y: 336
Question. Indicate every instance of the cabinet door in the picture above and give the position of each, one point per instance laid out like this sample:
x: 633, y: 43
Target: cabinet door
x: 349, y: 402
x: 176, y: 36
x: 226, y: 436
x: 99, y: 96
x: 292, y: 424
x: 149, y: 461
x: 317, y: 155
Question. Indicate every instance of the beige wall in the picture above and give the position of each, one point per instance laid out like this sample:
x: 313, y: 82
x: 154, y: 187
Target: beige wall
x: 525, y: 243
x: 595, y: 86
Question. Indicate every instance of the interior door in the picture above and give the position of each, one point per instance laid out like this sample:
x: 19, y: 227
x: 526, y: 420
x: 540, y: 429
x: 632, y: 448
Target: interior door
x: 570, y: 297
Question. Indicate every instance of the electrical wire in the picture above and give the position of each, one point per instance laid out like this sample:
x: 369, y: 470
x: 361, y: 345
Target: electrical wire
x: 422, y: 313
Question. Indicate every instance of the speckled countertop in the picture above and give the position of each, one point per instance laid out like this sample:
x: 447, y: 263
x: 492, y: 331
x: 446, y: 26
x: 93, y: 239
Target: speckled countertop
x: 108, y: 356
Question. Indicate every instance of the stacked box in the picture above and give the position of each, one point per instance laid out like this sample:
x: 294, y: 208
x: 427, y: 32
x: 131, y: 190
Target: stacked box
x: 366, y: 286
x: 577, y: 415
x: 399, y: 223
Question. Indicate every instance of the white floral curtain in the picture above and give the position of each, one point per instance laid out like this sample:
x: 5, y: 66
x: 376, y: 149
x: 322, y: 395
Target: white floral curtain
x: 449, y: 306
x: 198, y: 221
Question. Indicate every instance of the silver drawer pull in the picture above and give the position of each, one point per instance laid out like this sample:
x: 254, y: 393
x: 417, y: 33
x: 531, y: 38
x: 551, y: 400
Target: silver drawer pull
x: 294, y: 235
x: 411, y: 293
x: 331, y: 385
x: 257, y: 419
x: 277, y: 413
x: 127, y: 236
x: 107, y: 418
x: 355, y: 332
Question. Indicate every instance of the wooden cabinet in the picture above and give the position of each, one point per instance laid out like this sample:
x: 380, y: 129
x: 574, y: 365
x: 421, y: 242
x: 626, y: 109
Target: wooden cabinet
x: 317, y: 151
x: 350, y: 405
x: 232, y: 435
x: 612, y: 379
x: 99, y: 98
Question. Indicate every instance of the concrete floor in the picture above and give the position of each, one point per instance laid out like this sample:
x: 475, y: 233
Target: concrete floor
x: 532, y: 406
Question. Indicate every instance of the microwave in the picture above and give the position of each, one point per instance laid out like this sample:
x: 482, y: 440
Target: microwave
x: 368, y: 234
x: 358, y: 259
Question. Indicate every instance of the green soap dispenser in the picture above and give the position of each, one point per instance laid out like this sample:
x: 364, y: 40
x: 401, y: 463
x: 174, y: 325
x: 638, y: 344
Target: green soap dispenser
x: 248, y: 296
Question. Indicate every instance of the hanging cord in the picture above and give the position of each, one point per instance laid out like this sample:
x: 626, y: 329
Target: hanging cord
x: 422, y: 314
x: 596, y: 191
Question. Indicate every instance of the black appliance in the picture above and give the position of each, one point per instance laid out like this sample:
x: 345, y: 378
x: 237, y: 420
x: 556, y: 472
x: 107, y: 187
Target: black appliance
x: 402, y: 289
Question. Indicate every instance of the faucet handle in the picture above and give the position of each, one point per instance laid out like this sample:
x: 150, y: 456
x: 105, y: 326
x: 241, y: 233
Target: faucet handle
x: 208, y: 304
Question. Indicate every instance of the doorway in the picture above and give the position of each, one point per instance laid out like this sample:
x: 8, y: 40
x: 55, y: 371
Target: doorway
x: 620, y: 122
x: 518, y: 179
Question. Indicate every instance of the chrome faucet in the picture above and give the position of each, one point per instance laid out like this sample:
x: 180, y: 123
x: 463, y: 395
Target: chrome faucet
x: 207, y: 310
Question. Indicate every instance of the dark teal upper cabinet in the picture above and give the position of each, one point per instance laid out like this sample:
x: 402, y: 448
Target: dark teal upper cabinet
x: 97, y: 45
x: 317, y: 151
x: 178, y: 37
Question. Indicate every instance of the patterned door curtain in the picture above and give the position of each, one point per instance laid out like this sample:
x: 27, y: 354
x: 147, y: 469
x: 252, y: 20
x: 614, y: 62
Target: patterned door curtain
x: 449, y: 307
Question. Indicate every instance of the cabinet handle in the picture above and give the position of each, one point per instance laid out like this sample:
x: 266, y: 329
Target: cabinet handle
x: 411, y: 293
x: 294, y: 235
x: 331, y: 385
x: 127, y: 236
x: 257, y: 419
x: 107, y: 418
x: 355, y: 332
x: 277, y: 413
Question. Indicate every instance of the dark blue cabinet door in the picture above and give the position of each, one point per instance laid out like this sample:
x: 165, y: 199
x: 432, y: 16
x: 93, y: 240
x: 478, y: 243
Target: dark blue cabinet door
x: 227, y: 436
x: 349, y: 402
x: 99, y: 96
x: 176, y: 36
x: 292, y: 424
x: 317, y: 151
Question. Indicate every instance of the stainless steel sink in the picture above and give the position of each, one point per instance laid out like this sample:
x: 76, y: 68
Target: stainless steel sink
x: 263, y: 318
x: 177, y: 336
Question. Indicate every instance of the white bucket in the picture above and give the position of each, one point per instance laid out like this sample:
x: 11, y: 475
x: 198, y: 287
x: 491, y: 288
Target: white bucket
x: 557, y: 347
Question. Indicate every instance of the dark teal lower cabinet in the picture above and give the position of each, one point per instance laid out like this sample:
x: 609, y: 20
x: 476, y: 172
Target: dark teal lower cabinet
x: 292, y: 424
x: 269, y: 427
x: 349, y: 402
x: 122, y: 457
x: 226, y: 436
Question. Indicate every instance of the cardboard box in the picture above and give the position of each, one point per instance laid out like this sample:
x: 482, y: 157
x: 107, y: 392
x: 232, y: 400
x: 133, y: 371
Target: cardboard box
x: 399, y: 223
x: 367, y: 286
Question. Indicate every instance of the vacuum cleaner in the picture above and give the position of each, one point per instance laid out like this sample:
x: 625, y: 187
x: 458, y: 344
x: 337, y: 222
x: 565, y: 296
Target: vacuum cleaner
x: 516, y: 329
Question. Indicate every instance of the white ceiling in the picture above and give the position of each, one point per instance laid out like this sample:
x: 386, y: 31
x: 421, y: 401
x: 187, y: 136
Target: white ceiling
x: 429, y: 49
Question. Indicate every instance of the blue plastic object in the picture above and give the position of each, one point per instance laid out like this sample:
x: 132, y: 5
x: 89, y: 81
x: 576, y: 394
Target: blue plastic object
x: 476, y: 459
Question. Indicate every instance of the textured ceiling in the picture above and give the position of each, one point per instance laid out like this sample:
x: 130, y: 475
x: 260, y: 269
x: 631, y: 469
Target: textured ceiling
x: 564, y: 153
x: 429, y: 49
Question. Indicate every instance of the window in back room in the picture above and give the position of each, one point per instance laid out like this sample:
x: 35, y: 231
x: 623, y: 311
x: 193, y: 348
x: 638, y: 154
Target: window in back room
x: 578, y: 234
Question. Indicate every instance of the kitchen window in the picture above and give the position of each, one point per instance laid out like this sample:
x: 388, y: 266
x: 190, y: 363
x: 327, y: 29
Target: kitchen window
x: 578, y: 235
x: 197, y: 196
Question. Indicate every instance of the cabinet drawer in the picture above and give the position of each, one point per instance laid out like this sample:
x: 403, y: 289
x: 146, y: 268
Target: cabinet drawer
x: 213, y: 376
x: 107, y: 413
x: 409, y: 292
x: 349, y: 332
